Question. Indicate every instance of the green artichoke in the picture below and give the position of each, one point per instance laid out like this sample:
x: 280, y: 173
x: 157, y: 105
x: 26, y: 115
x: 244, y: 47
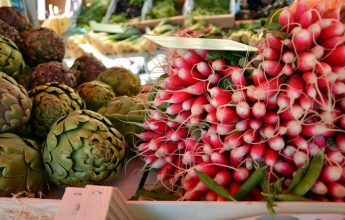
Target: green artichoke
x: 83, y: 148
x: 21, y: 166
x: 87, y: 68
x: 14, y: 18
x: 11, y: 60
x: 52, y: 72
x: 50, y: 102
x: 41, y: 45
x: 123, y: 81
x: 95, y: 94
x: 122, y: 112
x: 15, y: 105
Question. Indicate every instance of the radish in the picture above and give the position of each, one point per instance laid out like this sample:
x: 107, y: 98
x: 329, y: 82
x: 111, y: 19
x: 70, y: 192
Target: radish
x: 301, y: 8
x: 197, y: 106
x: 331, y: 173
x: 219, y: 101
x: 234, y: 187
x: 271, y: 67
x: 214, y: 79
x: 179, y: 134
x: 243, y: 110
x: 271, y: 103
x: 306, y: 62
x: 257, y: 151
x: 259, y: 110
x: 198, y: 88
x: 270, y: 54
x: 300, y: 158
x: 255, y: 124
x: 336, y: 190
x: 258, y: 76
x: 334, y: 30
x: 288, y: 152
x: 269, y: 131
x: 211, y: 117
x: 218, y: 92
x: 218, y: 158
x: 232, y: 141
x: 270, y: 157
x: 238, y: 79
x: 191, y: 57
x: 315, y: 31
x: 288, y: 57
x: 295, y: 87
x: 242, y: 125
x: 314, y: 130
x: 318, y: 51
x: 271, y: 118
x: 180, y: 63
x: 226, y: 115
x: 276, y: 143
x: 210, y: 196
x: 224, y: 129
x: 187, y: 105
x: 218, y: 64
x: 241, y: 151
x: 174, y: 109
x: 249, y: 136
x: 182, y: 116
x: 284, y: 168
x: 179, y: 97
x: 240, y: 174
x: 201, y: 53
x: 336, y: 56
x: 238, y: 96
x: 267, y: 89
x: 340, y: 142
x: 294, y: 127
x: 188, y: 75
x: 335, y: 157
x: 204, y: 69
x: 319, y: 188
x: 285, y: 17
x: 292, y: 113
x: 223, y: 178
x: 147, y: 135
x: 273, y: 41
x: 302, y: 40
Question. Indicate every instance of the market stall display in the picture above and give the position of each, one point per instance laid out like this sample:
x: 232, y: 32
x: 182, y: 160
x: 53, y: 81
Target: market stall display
x: 252, y: 116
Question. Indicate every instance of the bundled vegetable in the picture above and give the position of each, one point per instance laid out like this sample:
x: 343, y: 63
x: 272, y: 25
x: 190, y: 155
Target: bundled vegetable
x: 272, y: 130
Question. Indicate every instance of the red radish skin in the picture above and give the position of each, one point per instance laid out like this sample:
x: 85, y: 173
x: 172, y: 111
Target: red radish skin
x: 283, y: 101
x: 179, y: 97
x: 189, y: 76
x: 331, y: 173
x: 269, y: 131
x: 202, y: 53
x: 223, y: 178
x: 218, y: 64
x: 285, y: 17
x: 234, y: 187
x: 204, y: 69
x: 197, y: 106
x: 271, y: 118
x: 293, y: 113
x: 219, y: 101
x: 315, y: 130
x: 257, y: 151
x: 238, y: 96
x: 336, y: 190
x: 338, y: 88
x: 267, y: 89
x: 218, y: 158
x: 276, y: 143
x: 249, y: 136
x: 340, y: 142
x: 174, y: 109
x: 243, y: 110
x: 270, y: 54
x: 242, y: 125
x: 238, y: 79
x: 315, y: 31
x: 226, y: 115
x: 214, y: 79
x: 272, y: 102
x: 302, y: 40
x: 295, y: 87
x: 310, y: 90
x: 301, y: 8
x: 271, y: 157
x: 318, y: 51
x: 336, y: 56
x: 271, y: 67
x: 187, y: 105
x: 210, y: 196
x: 323, y: 68
x: 306, y: 62
x: 334, y: 30
x: 147, y: 136
x: 198, y: 88
x: 342, y: 121
x: 288, y: 57
x: 300, y: 158
x: 232, y: 141
x: 259, y: 110
x: 179, y: 134
x: 224, y: 129
x: 284, y: 168
x: 294, y: 127
x: 255, y: 124
x: 309, y: 77
x: 180, y: 63
x: 288, y: 70
x: 191, y: 57
x: 193, y: 195
x: 241, y: 151
x: 335, y: 157
x: 288, y: 152
x: 209, y: 108
x: 258, y: 76
x: 319, y: 188
x: 211, y: 117
x: 273, y: 41
x: 240, y: 174
x: 333, y: 42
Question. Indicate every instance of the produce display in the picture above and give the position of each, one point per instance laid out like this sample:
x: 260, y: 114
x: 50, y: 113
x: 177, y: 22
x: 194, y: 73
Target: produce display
x: 269, y: 128
x: 83, y: 148
x: 14, y: 18
x: 11, y: 60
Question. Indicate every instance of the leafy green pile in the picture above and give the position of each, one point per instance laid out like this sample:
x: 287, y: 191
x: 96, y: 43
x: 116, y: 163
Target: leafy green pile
x: 95, y: 12
x: 206, y: 7
x: 163, y: 8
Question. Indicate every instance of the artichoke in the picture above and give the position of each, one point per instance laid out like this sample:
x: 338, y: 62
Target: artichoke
x: 9, y: 32
x: 122, y: 112
x: 50, y: 102
x: 52, y: 72
x: 14, y: 18
x: 83, y: 148
x: 11, y: 60
x: 25, y: 78
x: 95, y: 94
x: 15, y: 105
x: 21, y: 166
x: 40, y: 45
x: 87, y: 68
x: 123, y: 81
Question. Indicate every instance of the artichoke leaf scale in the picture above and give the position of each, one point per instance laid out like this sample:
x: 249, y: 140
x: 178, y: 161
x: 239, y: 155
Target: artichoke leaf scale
x: 12, y: 165
x: 32, y: 158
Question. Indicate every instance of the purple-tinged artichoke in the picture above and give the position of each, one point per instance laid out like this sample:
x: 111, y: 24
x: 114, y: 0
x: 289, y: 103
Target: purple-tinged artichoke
x: 14, y: 18
x: 87, y: 68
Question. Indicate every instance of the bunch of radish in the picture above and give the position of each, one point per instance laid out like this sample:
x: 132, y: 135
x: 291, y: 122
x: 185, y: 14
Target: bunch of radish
x: 281, y: 116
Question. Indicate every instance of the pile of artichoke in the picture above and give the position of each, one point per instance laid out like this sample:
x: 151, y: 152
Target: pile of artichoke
x: 75, y: 118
